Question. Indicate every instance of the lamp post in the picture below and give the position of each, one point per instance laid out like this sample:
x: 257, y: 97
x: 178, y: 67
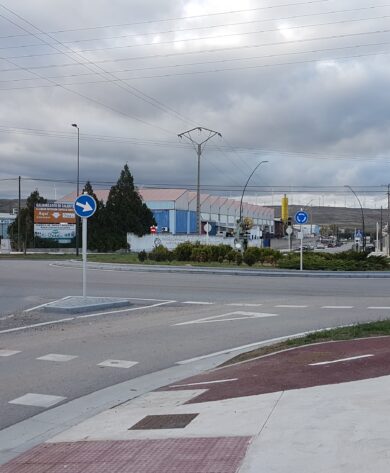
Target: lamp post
x: 361, y: 208
x: 311, y: 215
x: 78, y: 185
x: 239, y: 228
x: 246, y: 185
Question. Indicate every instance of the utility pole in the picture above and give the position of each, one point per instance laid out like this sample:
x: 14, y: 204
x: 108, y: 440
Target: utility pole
x: 388, y: 220
x: 19, y: 212
x: 199, y: 149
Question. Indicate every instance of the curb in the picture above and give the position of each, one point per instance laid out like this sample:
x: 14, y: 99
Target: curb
x: 227, y: 272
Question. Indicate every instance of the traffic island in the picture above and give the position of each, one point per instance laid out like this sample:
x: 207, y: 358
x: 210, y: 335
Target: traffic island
x: 77, y: 304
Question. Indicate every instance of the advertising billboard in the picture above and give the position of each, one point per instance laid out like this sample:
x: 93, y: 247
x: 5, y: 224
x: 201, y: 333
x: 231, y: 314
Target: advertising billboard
x: 61, y: 231
x: 54, y: 213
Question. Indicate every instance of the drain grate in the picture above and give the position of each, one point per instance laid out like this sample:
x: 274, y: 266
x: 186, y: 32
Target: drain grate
x: 169, y: 421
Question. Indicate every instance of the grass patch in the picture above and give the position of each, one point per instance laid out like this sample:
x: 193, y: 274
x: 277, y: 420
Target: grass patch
x: 369, y: 329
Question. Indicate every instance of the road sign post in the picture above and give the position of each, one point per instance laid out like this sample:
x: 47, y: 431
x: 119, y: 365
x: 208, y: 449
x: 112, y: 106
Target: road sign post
x: 301, y: 218
x: 85, y: 207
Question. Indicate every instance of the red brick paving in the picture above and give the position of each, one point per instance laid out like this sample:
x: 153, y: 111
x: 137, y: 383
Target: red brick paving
x: 290, y: 369
x: 197, y: 455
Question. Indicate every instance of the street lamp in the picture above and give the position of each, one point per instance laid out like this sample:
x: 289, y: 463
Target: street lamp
x: 78, y: 184
x: 246, y: 185
x: 361, y: 208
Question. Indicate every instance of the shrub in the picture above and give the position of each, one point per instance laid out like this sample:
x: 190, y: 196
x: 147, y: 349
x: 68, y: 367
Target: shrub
x: 238, y: 258
x: 220, y: 259
x: 251, y: 256
x: 183, y: 251
x: 160, y: 253
x: 231, y: 255
x: 142, y: 256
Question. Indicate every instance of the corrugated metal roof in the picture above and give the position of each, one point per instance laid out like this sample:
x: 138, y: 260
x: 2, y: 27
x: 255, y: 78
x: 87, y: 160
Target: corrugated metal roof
x: 161, y: 194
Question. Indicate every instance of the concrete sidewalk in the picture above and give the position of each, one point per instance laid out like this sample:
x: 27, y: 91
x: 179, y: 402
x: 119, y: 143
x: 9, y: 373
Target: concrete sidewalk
x: 322, y: 408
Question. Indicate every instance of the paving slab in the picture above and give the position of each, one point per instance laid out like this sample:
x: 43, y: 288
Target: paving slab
x: 201, y: 455
x: 77, y: 304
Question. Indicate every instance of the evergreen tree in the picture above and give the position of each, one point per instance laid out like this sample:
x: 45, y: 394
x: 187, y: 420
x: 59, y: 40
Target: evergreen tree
x: 97, y: 228
x: 125, y: 211
x: 26, y: 218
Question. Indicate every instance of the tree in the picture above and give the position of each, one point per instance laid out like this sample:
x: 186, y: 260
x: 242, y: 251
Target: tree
x: 125, y: 211
x: 26, y: 219
x: 97, y: 233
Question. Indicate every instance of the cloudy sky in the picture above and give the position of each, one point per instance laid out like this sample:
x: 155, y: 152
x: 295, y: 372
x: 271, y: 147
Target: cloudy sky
x: 301, y: 84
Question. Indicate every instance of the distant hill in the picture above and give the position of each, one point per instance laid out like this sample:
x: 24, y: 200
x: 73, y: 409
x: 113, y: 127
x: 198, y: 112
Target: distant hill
x: 341, y: 216
x: 6, y: 205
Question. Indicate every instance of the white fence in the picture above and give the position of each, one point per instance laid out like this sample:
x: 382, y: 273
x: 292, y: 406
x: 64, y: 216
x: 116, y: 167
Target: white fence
x: 148, y: 242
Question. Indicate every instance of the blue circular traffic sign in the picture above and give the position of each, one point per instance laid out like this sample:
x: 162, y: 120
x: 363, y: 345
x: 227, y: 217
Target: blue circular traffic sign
x: 84, y: 206
x: 301, y: 217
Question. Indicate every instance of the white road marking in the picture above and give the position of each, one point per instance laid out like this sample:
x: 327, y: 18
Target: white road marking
x: 286, y: 306
x: 44, y: 305
x: 205, y: 382
x: 7, y: 317
x: 24, y: 327
x: 68, y: 319
x: 214, y: 318
x: 337, y: 307
x: 239, y: 304
x: 123, y: 310
x: 57, y: 357
x: 37, y: 400
x: 379, y: 308
x: 118, y: 363
x: 198, y: 303
x: 9, y: 352
x: 256, y: 344
x: 340, y: 360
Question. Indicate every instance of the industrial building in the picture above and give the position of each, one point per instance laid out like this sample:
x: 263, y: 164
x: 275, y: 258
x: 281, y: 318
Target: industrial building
x: 175, y: 211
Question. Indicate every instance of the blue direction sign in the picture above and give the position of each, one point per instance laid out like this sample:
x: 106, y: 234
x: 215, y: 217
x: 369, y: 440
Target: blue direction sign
x: 84, y: 206
x: 301, y: 217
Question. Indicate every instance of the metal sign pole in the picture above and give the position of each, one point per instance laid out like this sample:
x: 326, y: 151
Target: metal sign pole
x: 301, y: 265
x: 84, y: 256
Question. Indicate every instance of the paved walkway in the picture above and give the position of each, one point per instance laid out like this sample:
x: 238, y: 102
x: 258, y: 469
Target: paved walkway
x: 322, y: 408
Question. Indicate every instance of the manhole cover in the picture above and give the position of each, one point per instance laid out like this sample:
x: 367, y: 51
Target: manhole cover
x: 170, y: 421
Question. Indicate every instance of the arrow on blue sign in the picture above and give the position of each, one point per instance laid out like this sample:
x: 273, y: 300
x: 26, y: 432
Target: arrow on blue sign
x: 85, y: 206
x: 301, y: 217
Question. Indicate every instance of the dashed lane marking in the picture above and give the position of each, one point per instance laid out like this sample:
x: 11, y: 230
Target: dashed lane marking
x: 286, y: 306
x: 37, y: 400
x: 340, y: 360
x: 337, y: 307
x: 57, y: 357
x: 239, y: 304
x: 379, y: 308
x: 227, y: 317
x: 118, y: 363
x: 204, y: 383
x: 198, y: 303
x: 9, y: 352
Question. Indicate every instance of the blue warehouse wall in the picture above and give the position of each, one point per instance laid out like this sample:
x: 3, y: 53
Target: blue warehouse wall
x: 162, y: 218
x: 181, y: 221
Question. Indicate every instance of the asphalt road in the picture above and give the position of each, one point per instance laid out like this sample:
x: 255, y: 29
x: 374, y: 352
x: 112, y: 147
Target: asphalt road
x: 198, y: 314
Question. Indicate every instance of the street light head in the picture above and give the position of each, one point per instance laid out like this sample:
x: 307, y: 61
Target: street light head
x: 75, y: 125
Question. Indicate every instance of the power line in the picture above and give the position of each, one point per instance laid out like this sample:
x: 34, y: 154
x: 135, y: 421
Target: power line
x: 242, y: 33
x: 132, y: 90
x: 179, y: 18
